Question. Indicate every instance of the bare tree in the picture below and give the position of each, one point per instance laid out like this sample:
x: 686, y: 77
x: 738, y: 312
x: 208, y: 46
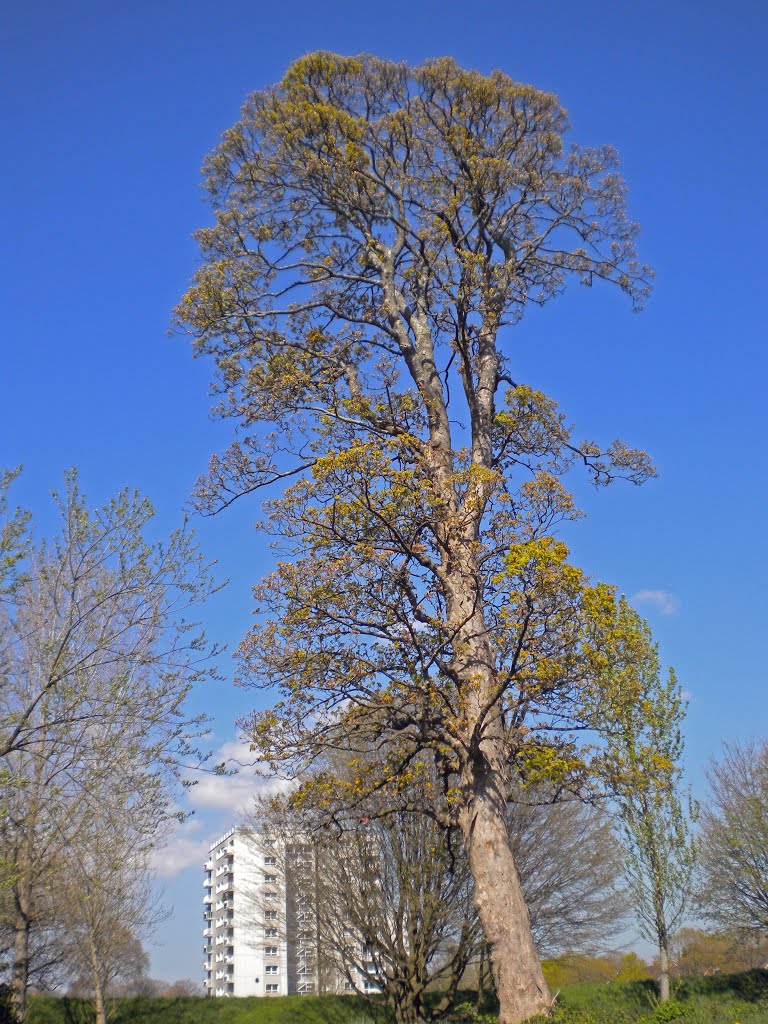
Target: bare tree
x: 100, y: 599
x: 734, y: 838
x: 98, y: 663
x: 392, y: 897
x: 571, y: 871
x: 387, y: 900
x: 14, y: 535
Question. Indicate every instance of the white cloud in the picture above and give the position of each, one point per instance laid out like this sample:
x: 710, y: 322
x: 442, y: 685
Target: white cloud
x: 232, y: 793
x: 665, y: 602
x: 180, y: 853
x: 218, y: 802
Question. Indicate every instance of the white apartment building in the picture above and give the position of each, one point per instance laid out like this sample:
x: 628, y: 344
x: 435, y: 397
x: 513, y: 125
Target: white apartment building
x: 260, y: 929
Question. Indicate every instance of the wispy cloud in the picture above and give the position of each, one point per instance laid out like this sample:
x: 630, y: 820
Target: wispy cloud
x: 665, y: 602
x: 184, y: 849
x: 232, y: 793
x: 218, y: 801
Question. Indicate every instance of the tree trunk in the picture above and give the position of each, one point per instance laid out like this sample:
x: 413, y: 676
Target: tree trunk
x: 406, y: 1006
x: 663, y: 974
x: 520, y: 983
x: 98, y: 985
x: 99, y: 1005
x: 20, y: 974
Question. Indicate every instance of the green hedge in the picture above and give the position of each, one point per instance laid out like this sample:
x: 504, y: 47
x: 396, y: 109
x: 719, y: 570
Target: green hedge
x: 722, y: 999
x: 191, y: 1010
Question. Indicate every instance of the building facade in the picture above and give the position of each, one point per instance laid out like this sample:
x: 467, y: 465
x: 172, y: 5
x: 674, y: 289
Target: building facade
x: 258, y: 924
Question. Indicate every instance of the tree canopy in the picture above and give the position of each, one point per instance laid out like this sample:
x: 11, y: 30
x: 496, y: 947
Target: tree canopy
x: 378, y: 230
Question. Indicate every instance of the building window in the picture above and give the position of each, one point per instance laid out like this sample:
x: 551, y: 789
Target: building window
x: 270, y: 933
x: 272, y: 987
x: 270, y: 969
x: 270, y: 951
x: 270, y: 862
x: 270, y: 879
x: 270, y: 915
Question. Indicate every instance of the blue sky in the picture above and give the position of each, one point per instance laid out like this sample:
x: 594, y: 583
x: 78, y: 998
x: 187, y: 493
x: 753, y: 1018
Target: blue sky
x: 108, y: 110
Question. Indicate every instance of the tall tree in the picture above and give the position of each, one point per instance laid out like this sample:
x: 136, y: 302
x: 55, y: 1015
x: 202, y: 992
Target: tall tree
x: 378, y: 230
x: 655, y: 810
x: 734, y: 839
x: 99, y: 661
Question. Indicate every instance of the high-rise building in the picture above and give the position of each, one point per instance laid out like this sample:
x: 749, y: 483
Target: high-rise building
x: 261, y: 925
x: 258, y: 923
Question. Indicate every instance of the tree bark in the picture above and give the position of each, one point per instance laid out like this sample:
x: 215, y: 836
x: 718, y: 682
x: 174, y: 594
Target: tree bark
x: 407, y: 1007
x: 99, y: 1005
x: 519, y: 980
x: 663, y: 974
x: 98, y: 987
x: 20, y: 974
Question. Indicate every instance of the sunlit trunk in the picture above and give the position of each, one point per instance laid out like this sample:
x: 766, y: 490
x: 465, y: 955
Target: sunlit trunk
x: 519, y: 980
x: 98, y: 985
x: 663, y: 974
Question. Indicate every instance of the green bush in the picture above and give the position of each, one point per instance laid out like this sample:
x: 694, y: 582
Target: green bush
x: 200, y: 1010
x: 722, y: 999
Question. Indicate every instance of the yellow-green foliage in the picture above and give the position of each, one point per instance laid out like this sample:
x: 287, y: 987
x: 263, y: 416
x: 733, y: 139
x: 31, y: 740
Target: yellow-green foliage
x: 379, y: 229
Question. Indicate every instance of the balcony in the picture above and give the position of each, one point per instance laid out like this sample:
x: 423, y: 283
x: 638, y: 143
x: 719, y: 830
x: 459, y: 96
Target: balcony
x: 207, y: 933
x: 208, y: 898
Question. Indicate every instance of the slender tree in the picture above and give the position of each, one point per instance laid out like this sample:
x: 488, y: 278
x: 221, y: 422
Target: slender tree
x: 734, y: 839
x: 99, y: 661
x: 108, y: 889
x: 655, y: 810
x: 379, y: 229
